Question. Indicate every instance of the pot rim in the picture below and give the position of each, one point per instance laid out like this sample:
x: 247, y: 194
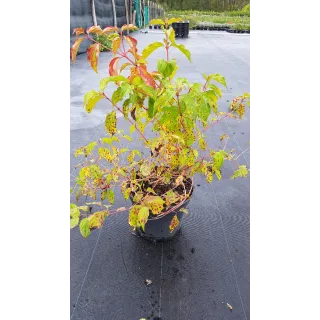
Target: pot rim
x: 172, y: 208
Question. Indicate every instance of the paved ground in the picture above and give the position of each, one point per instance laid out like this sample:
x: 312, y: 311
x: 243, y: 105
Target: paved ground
x: 208, y: 264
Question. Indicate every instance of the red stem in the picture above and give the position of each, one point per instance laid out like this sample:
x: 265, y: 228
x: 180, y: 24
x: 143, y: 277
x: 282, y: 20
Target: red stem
x: 214, y: 123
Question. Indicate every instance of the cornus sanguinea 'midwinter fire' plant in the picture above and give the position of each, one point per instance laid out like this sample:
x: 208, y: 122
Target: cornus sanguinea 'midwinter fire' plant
x: 179, y: 113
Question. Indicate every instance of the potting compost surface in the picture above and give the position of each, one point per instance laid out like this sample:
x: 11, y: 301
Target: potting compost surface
x: 203, y: 273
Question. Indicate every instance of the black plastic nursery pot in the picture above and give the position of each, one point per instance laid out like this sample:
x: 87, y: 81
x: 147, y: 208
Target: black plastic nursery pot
x: 157, y: 227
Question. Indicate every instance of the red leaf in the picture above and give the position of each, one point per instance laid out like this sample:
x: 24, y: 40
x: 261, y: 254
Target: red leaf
x: 93, y: 56
x: 94, y: 29
x: 146, y: 76
x: 78, y: 31
x: 113, y: 67
x: 109, y: 29
x: 74, y: 49
x: 131, y: 41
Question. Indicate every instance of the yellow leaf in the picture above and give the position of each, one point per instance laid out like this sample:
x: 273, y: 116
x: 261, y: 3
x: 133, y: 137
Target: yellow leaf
x: 111, y: 123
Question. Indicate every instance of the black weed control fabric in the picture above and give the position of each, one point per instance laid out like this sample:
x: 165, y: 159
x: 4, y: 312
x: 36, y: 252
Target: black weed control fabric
x: 80, y: 16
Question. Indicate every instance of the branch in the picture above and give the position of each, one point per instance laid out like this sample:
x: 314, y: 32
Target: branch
x: 135, y: 125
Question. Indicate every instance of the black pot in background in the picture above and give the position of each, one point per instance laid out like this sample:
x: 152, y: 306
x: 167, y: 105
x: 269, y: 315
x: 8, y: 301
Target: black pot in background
x: 157, y: 229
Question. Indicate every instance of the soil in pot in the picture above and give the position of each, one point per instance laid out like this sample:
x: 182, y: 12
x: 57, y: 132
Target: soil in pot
x: 157, y: 227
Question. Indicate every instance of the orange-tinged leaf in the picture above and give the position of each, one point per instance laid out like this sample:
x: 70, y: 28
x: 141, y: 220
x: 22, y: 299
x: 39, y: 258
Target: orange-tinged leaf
x: 174, y: 223
x: 146, y: 76
x: 129, y: 27
x: 93, y: 56
x: 78, y: 31
x: 75, y: 48
x: 131, y: 41
x: 155, y: 73
x: 94, y: 29
x: 109, y: 29
x: 115, y: 45
x: 113, y: 66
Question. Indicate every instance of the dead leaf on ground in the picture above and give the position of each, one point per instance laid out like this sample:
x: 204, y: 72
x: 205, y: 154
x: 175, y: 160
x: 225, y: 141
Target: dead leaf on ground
x: 229, y: 306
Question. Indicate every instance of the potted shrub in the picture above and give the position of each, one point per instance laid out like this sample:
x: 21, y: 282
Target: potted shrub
x: 159, y: 184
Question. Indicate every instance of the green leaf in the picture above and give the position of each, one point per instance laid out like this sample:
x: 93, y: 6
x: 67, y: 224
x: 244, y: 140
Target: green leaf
x: 91, y: 98
x: 172, y: 35
x: 152, y: 110
x: 110, y: 196
x: 125, y: 108
x: 133, y: 216
x: 74, y: 222
x: 164, y: 98
x: 183, y: 50
x: 143, y: 216
x: 74, y: 211
x: 145, y: 169
x: 218, y: 78
x: 218, y: 158
x: 211, y: 96
x: 149, y: 91
x: 242, y: 171
x: 166, y: 68
x: 132, y: 128
x: 105, y: 81
x: 204, y: 109
x: 156, y: 21
x: 120, y: 93
x: 216, y: 90
x: 84, y: 228
x: 111, y: 123
x: 151, y: 48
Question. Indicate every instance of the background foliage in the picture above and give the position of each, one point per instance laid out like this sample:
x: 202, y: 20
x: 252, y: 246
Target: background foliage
x: 215, y: 5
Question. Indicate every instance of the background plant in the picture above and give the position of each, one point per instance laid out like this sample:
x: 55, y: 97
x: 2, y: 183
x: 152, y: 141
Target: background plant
x: 178, y: 112
x: 104, y: 40
x: 205, y: 5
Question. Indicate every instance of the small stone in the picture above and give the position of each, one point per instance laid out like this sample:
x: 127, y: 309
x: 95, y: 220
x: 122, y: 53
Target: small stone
x: 148, y: 282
